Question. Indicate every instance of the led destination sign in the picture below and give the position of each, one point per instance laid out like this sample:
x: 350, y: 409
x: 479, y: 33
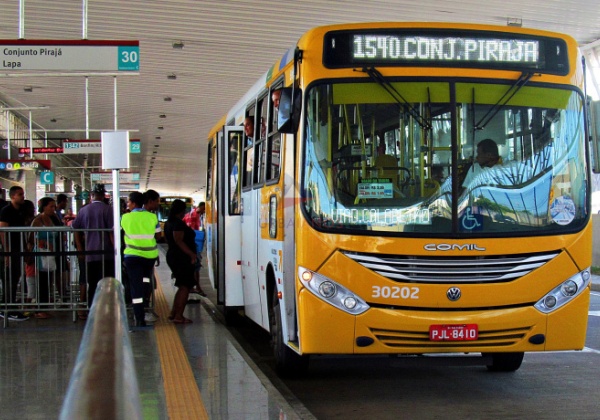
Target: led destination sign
x: 383, y: 47
x: 433, y: 48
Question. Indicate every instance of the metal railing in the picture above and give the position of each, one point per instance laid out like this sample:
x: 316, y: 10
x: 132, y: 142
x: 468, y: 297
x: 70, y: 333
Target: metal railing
x: 104, y: 382
x: 25, y: 286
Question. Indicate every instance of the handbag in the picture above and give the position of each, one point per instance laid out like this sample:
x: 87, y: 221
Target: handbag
x: 46, y: 262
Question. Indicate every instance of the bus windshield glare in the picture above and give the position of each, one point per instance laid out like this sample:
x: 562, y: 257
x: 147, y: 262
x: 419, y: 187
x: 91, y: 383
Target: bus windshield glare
x: 438, y: 158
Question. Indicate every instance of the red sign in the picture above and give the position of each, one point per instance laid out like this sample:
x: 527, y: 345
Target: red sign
x: 26, y: 150
x: 15, y: 165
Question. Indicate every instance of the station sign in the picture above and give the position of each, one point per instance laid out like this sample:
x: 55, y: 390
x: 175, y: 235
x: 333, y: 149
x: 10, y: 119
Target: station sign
x: 47, y: 178
x: 124, y: 187
x: 77, y: 147
x: 29, y: 165
x: 69, y: 55
x: 41, y: 150
x: 106, y: 177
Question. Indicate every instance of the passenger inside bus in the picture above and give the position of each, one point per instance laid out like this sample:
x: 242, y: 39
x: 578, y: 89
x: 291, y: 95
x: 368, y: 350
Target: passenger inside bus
x: 249, y: 130
x: 437, y: 174
x: 249, y: 152
x: 275, y: 97
x: 487, y: 157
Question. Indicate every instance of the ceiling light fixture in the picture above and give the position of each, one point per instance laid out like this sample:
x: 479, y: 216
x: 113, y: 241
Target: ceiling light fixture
x: 168, y: 99
x: 28, y: 89
x: 162, y: 116
x: 172, y: 76
x: 178, y: 45
x: 157, y: 138
x: 160, y: 127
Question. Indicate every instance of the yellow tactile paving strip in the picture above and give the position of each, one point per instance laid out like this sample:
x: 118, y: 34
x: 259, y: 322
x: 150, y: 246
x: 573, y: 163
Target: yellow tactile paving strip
x: 181, y: 390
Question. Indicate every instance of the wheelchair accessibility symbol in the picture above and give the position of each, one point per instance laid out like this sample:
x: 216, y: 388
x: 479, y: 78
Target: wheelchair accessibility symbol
x: 470, y: 221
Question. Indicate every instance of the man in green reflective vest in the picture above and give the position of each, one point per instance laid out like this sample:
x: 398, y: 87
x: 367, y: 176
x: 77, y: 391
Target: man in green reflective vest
x: 140, y: 252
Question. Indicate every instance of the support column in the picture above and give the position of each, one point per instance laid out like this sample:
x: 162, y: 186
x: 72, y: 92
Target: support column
x: 31, y: 186
x: 78, y: 199
x: 68, y: 189
x: 68, y: 186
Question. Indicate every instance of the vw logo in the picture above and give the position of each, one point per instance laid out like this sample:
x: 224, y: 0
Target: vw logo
x: 453, y: 294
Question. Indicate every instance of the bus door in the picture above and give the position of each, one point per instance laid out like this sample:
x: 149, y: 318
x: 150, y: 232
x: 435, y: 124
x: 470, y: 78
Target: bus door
x: 228, y: 243
x: 250, y: 219
x: 210, y: 219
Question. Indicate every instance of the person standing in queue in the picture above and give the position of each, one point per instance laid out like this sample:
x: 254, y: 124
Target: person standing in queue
x: 62, y: 200
x: 152, y: 204
x: 181, y: 258
x: 100, y: 260
x: 49, y: 241
x: 195, y: 220
x: 140, y: 252
x: 12, y: 216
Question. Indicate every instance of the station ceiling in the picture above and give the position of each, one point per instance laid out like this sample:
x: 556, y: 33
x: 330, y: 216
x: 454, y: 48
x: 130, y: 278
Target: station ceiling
x: 227, y: 46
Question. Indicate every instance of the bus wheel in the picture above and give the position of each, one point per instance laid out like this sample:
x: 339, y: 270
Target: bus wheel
x: 504, y: 362
x: 287, y: 362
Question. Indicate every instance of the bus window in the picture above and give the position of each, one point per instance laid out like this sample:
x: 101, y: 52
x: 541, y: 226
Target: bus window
x: 273, y: 153
x: 209, y: 171
x: 259, y: 149
x: 234, y: 165
x: 249, y: 137
x: 262, y: 117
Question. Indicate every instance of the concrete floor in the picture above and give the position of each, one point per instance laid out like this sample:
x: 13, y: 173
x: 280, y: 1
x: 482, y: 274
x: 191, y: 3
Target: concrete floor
x: 37, y: 357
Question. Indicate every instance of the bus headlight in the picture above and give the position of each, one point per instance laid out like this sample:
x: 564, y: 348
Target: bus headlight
x: 331, y: 292
x: 569, y: 288
x: 327, y: 289
x: 563, y: 293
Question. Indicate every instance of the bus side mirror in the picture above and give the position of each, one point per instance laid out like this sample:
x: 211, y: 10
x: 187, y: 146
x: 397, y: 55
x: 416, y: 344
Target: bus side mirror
x: 288, y: 113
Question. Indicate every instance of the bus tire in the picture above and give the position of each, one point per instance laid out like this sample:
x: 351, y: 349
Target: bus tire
x: 288, y: 363
x: 504, y: 362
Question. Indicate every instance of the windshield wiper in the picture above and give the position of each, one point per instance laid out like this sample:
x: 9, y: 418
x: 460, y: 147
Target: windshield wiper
x: 380, y: 79
x: 514, y: 88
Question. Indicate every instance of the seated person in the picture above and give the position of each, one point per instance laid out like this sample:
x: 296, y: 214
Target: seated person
x: 437, y: 174
x: 487, y: 157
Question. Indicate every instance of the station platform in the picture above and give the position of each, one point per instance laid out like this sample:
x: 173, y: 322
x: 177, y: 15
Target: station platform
x: 191, y: 371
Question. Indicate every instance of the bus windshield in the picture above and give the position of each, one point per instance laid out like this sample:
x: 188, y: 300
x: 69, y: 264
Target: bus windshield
x: 444, y: 158
x: 165, y: 206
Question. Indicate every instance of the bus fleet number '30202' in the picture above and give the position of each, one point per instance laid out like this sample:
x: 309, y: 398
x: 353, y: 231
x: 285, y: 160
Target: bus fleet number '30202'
x: 395, y: 292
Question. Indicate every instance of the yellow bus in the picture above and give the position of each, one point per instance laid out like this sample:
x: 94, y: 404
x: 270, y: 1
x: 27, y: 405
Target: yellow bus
x: 421, y: 188
x: 164, y: 205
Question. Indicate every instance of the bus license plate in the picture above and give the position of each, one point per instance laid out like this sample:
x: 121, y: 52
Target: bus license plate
x: 462, y: 332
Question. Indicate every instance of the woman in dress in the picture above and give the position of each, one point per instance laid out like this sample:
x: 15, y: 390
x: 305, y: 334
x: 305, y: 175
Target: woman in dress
x: 181, y: 258
x: 28, y: 209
